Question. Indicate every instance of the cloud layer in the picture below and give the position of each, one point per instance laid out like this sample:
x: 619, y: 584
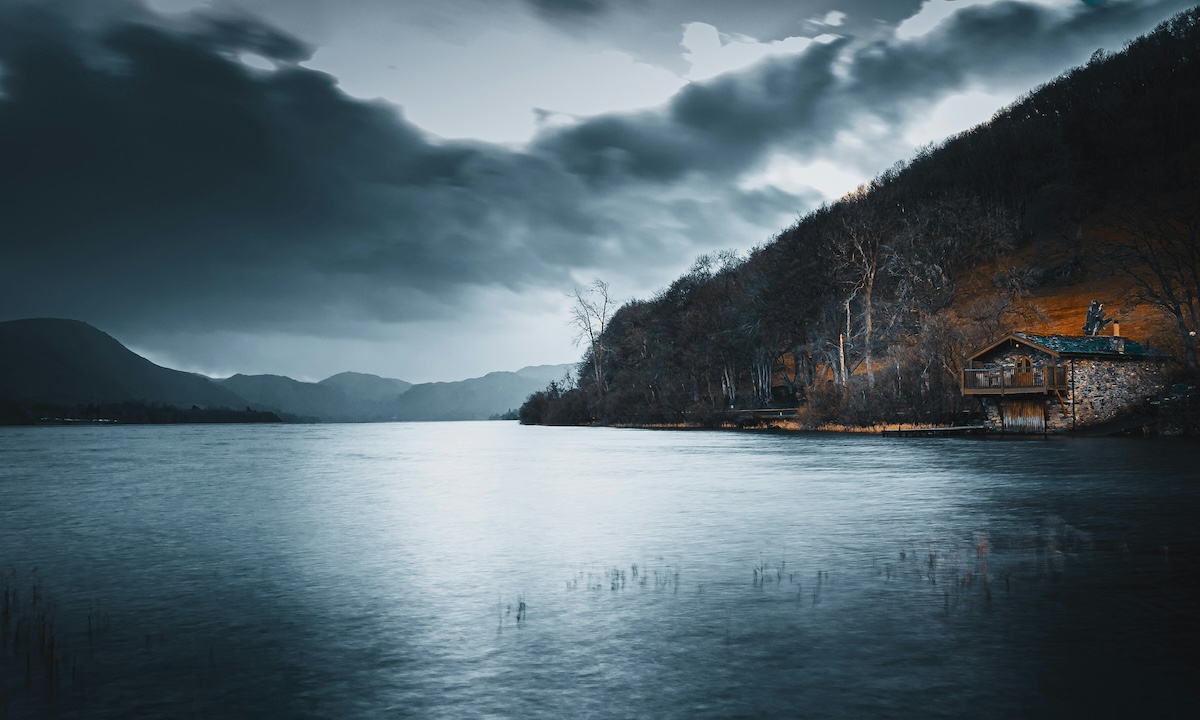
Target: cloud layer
x: 154, y: 178
x: 151, y: 172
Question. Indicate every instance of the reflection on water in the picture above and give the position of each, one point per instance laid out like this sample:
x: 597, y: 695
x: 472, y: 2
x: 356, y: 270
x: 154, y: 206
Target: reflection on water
x: 484, y: 569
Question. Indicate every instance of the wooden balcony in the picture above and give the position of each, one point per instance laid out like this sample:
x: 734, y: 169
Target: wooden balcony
x: 980, y: 381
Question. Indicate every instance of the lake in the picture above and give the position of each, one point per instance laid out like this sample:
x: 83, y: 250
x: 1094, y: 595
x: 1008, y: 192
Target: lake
x: 379, y: 571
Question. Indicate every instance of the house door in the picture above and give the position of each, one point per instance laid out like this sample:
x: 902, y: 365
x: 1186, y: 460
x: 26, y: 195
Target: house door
x: 1023, y: 416
x: 1024, y: 373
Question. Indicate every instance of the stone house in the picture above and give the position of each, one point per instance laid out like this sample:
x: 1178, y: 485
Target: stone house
x: 1031, y: 383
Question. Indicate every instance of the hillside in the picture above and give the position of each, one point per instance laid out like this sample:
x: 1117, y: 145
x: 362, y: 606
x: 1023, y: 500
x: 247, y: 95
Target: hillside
x: 473, y: 399
x: 547, y: 373
x: 1087, y: 188
x: 362, y: 387
x: 301, y: 400
x: 61, y: 366
x: 68, y: 362
x: 345, y: 397
x: 357, y: 397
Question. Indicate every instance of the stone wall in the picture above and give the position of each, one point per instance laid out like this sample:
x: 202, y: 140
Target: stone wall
x: 1058, y: 415
x: 1106, y: 389
x: 991, y: 413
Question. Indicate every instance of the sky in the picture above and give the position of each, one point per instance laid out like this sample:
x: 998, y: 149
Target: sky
x: 413, y: 188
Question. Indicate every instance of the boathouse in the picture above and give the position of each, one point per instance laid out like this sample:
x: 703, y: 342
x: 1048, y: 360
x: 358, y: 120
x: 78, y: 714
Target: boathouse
x: 1031, y: 383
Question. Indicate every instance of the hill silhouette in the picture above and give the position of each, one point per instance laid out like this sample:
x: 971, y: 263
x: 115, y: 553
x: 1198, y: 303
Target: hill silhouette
x: 363, y: 387
x: 472, y: 399
x: 302, y: 400
x: 547, y: 373
x: 372, y: 398
x: 70, y: 370
x: 68, y: 362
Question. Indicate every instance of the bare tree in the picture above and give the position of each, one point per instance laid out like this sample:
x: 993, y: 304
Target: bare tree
x: 859, y: 256
x: 590, y: 315
x: 1159, y: 249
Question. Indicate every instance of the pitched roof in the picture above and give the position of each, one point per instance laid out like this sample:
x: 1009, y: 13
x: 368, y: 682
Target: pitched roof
x: 1095, y: 345
x: 1117, y: 348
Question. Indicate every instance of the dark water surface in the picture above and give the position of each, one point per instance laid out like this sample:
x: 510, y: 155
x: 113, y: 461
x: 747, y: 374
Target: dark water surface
x: 377, y: 571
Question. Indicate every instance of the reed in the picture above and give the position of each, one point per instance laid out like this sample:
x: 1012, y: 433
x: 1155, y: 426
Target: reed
x: 37, y: 665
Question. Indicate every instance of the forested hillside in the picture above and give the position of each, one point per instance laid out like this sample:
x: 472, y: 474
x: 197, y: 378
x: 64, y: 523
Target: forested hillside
x: 864, y: 310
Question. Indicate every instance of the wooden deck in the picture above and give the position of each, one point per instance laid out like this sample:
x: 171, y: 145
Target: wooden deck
x: 1040, y: 381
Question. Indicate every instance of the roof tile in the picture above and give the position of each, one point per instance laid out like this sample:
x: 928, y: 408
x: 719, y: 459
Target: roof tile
x: 1092, y: 345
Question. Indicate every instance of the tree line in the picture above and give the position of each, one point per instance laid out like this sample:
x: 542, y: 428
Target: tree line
x: 858, y: 312
x: 130, y: 413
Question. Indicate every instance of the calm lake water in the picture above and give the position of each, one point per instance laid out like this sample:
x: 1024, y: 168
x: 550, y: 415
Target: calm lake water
x: 371, y: 571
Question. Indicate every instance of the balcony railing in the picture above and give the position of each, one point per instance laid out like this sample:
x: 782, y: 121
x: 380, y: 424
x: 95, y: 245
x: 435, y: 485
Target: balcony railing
x: 980, y: 381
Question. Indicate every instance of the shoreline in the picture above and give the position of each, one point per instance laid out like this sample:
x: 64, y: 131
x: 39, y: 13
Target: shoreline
x: 787, y: 427
x: 892, y: 430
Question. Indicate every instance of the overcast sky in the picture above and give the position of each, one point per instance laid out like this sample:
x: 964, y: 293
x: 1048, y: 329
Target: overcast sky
x: 410, y: 188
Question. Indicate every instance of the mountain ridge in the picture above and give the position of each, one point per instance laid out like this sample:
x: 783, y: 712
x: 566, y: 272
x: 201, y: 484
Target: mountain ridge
x: 65, y: 361
x: 72, y: 363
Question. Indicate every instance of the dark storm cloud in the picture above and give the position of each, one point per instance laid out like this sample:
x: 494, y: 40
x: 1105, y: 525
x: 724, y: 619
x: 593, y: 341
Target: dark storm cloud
x: 650, y: 29
x: 559, y: 10
x: 715, y: 127
x: 752, y: 205
x: 1008, y: 39
x: 802, y: 102
x: 248, y: 34
x: 148, y: 175
x: 160, y: 176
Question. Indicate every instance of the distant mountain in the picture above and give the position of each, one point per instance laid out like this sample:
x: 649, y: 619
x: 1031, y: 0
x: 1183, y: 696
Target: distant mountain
x: 345, y: 397
x: 474, y: 399
x: 282, y: 394
x: 69, y: 362
x: 366, y: 388
x: 546, y: 373
x: 358, y: 397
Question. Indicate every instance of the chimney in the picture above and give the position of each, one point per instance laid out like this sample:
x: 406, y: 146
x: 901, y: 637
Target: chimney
x: 1116, y: 328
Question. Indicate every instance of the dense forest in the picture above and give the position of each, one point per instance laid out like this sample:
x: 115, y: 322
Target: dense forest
x: 863, y: 310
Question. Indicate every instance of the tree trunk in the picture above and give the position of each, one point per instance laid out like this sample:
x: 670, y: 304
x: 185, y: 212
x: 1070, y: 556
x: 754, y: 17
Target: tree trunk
x: 868, y: 325
x: 1189, y: 340
x: 728, y: 385
x: 842, y: 378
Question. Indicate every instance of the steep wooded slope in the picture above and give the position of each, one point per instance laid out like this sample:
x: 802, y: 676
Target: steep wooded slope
x: 863, y: 310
